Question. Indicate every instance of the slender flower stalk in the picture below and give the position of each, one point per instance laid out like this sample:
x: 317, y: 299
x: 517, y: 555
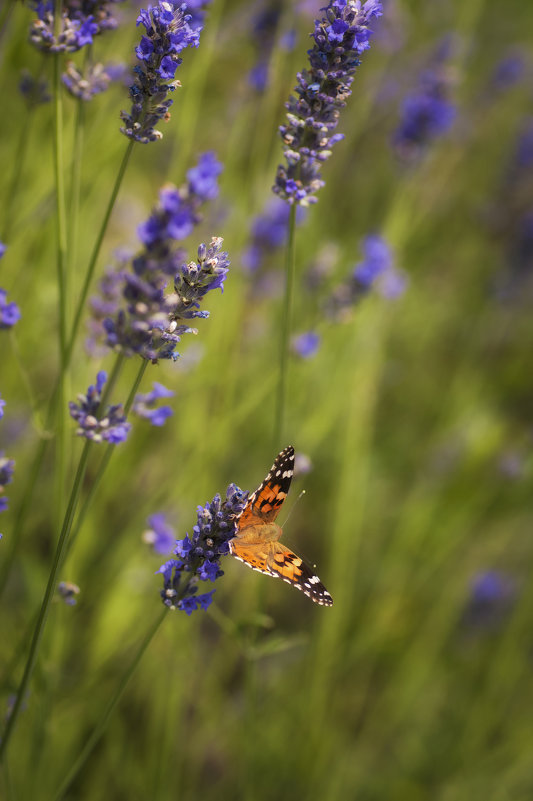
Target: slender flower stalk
x: 48, y: 594
x: 101, y: 727
x: 286, y: 327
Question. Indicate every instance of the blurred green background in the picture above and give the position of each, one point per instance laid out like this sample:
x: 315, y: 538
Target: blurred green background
x: 416, y: 415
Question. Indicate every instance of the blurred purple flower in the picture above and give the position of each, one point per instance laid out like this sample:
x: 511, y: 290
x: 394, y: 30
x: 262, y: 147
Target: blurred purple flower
x: 427, y: 114
x: 160, y: 534
x: 306, y: 345
x: 34, y: 90
x: 80, y: 23
x: 492, y: 595
x: 9, y: 312
x: 84, y: 86
x: 269, y: 233
x: 68, y: 591
x: 145, y: 406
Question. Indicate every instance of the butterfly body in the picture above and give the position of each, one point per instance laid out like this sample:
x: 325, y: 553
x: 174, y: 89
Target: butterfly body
x: 256, y: 541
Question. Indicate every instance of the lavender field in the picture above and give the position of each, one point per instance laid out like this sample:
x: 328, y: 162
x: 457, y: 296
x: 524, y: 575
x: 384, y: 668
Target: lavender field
x: 282, y: 239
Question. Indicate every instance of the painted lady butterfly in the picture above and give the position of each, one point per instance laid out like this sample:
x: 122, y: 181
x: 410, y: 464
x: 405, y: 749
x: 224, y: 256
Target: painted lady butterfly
x: 256, y: 542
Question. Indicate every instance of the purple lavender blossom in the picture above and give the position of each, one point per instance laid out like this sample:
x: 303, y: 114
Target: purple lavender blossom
x: 492, y: 595
x: 3, y: 249
x: 9, y: 312
x: 269, y: 233
x: 7, y: 468
x: 34, y: 90
x: 149, y: 324
x: 427, y: 115
x: 392, y: 284
x: 198, y: 557
x: 84, y: 86
x: 160, y: 534
x: 168, y: 32
x: 377, y: 259
x: 105, y: 304
x: 376, y: 269
x: 111, y: 427
x: 264, y: 29
x: 197, y: 10
x: 67, y: 590
x: 81, y: 21
x: 306, y: 345
x: 340, y: 38
x: 2, y: 404
x: 203, y: 179
x: 145, y: 405
x: 508, y: 72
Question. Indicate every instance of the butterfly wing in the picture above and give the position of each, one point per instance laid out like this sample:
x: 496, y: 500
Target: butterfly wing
x: 264, y: 504
x: 275, y: 559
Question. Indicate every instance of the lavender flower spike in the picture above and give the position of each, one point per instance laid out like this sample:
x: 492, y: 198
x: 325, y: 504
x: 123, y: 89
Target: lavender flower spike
x: 198, y: 557
x: 340, y: 38
x: 167, y: 33
x: 93, y: 424
x: 80, y: 22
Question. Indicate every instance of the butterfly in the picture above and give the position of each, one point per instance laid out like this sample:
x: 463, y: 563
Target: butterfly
x: 256, y: 541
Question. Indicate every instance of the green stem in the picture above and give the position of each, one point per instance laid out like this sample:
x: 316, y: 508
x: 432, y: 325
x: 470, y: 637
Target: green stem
x: 18, y: 165
x: 100, y: 728
x: 279, y: 422
x: 60, y: 207
x: 106, y: 457
x: 75, y: 180
x: 48, y: 595
x: 96, y: 252
x: 58, y: 392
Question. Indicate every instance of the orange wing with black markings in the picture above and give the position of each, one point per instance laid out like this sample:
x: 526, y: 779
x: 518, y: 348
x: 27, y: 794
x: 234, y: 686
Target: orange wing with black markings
x: 264, y: 504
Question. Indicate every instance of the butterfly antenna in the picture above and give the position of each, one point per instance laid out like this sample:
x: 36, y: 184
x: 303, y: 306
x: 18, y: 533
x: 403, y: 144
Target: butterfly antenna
x: 291, y: 510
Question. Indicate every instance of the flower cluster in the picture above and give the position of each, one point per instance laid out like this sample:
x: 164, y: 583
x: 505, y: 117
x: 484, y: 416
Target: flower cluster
x: 85, y: 87
x: 67, y: 590
x: 112, y: 427
x: 143, y: 326
x: 198, y: 557
x: 168, y: 32
x: 81, y: 21
x: 492, y: 595
x: 34, y: 90
x: 160, y: 534
x: 426, y: 115
x: 376, y: 268
x: 7, y: 467
x: 145, y: 405
x: 149, y: 324
x: 9, y: 312
x: 340, y: 38
x: 269, y: 233
x: 306, y: 345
